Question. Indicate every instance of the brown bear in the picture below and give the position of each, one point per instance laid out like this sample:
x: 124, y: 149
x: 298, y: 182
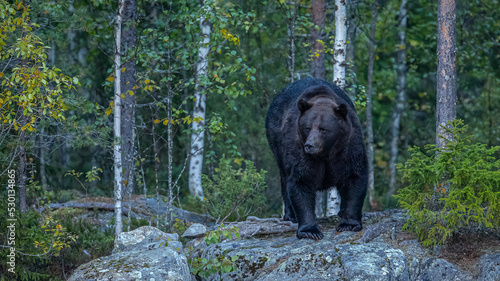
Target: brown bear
x: 317, y: 140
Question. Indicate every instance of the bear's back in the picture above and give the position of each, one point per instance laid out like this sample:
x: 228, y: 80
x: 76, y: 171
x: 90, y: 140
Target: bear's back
x: 287, y: 98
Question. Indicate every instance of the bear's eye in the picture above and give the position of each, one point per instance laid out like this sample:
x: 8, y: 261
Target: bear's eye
x: 323, y: 130
x: 307, y: 130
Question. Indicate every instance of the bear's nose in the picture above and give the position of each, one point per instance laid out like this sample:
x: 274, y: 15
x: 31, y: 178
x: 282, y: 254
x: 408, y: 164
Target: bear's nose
x: 309, y: 147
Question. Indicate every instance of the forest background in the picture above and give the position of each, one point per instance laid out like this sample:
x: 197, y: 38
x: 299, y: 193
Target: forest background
x: 255, y: 48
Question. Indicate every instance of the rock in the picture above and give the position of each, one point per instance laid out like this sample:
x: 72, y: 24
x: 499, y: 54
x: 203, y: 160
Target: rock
x: 373, y: 261
x: 145, y: 237
x: 374, y: 231
x: 145, y: 253
x: 196, y: 230
x: 489, y: 265
x: 413, y: 248
x: 437, y: 269
x: 333, y: 258
x: 158, y: 264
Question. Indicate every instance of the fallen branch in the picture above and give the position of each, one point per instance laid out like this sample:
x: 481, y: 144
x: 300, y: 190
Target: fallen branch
x: 90, y: 205
x: 257, y: 226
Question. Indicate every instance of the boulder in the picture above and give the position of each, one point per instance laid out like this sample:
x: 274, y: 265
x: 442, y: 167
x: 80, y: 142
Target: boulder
x: 146, y: 237
x: 489, y: 265
x: 145, y: 253
x: 196, y: 230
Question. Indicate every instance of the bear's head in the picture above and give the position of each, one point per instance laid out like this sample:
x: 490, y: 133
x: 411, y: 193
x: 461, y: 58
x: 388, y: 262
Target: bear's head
x: 322, y: 124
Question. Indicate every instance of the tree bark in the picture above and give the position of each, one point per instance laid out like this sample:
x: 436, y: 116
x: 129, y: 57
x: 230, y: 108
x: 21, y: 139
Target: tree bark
x: 352, y: 27
x: 446, y: 70
x: 333, y: 196
x: 318, y: 13
x: 21, y: 169
x: 369, y: 94
x: 318, y: 69
x: 340, y: 43
x: 43, y: 148
x: 128, y: 83
x: 117, y: 146
x: 198, y: 127
x: 400, y: 98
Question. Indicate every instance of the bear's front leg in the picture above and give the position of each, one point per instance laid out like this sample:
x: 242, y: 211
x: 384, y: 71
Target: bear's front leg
x: 303, y: 202
x: 351, y: 205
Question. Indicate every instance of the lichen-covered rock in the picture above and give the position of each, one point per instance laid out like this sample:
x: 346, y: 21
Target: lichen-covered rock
x: 373, y: 261
x: 146, y: 237
x: 158, y: 264
x: 196, y: 230
x: 333, y: 258
x: 437, y: 269
x: 489, y: 267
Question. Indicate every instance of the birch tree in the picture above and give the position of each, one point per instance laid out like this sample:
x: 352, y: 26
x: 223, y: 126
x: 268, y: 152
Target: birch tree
x: 446, y: 98
x: 369, y: 95
x: 117, y: 147
x: 333, y: 197
x: 198, y: 127
x: 400, y: 98
x: 339, y: 49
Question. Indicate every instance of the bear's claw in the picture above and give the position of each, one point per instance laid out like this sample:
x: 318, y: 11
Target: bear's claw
x: 310, y: 233
x: 349, y: 227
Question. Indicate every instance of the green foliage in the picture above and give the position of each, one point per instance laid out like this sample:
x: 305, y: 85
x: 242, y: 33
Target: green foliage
x: 233, y: 192
x: 450, y: 188
x: 204, y: 267
x: 214, y: 237
x: 29, y: 85
x: 39, y: 240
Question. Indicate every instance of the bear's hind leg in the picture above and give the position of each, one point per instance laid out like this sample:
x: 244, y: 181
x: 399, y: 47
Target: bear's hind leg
x: 289, y: 214
x: 352, y: 198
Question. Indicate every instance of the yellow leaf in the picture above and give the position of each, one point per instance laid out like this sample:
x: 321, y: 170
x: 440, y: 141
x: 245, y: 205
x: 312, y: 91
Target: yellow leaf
x: 123, y: 69
x: 130, y: 93
x: 1, y: 74
x: 165, y: 122
x: 122, y: 96
x: 111, y: 78
x: 147, y: 81
x: 157, y: 121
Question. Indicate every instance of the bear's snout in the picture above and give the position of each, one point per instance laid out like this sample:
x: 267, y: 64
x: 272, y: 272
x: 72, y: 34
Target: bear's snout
x: 311, y: 148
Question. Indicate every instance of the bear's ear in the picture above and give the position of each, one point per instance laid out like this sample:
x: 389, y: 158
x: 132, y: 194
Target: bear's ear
x: 341, y: 111
x: 303, y: 105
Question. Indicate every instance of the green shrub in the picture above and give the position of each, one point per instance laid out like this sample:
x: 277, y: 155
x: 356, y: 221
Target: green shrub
x: 451, y: 188
x: 233, y: 193
x: 204, y: 267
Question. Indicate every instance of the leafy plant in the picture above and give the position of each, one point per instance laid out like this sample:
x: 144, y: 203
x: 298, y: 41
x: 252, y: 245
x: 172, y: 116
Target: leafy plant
x: 451, y: 187
x: 232, y: 192
x: 204, y: 267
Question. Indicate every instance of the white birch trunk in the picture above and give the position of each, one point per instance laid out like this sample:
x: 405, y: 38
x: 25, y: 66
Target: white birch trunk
x: 117, y: 149
x: 198, y: 134
x: 340, y: 43
x: 333, y: 196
